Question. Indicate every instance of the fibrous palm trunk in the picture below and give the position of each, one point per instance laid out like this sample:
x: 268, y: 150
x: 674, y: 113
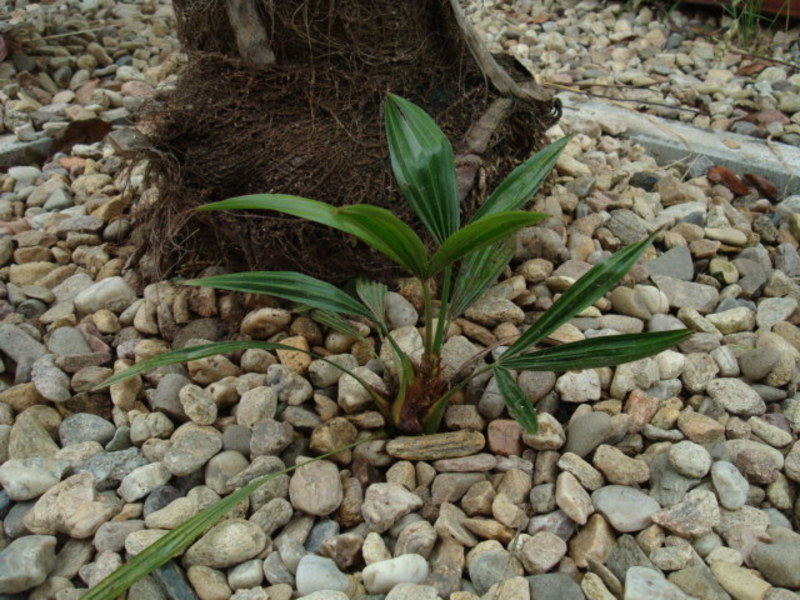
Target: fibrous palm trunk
x: 285, y: 96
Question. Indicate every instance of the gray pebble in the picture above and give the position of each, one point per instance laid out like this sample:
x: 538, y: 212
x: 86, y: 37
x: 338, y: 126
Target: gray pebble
x: 587, y: 432
x: 84, y: 427
x: 26, y: 562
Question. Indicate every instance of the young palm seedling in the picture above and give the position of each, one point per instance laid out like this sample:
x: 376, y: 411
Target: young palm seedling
x: 465, y: 262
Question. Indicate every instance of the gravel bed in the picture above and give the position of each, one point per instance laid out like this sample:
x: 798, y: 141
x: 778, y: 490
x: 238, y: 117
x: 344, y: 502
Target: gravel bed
x: 680, y: 66
x: 673, y: 477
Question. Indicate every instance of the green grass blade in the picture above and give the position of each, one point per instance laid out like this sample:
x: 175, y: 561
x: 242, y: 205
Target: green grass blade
x: 180, y: 538
x: 423, y: 165
x: 604, y: 351
x: 386, y: 233
x: 288, y: 285
x: 517, y: 401
x: 523, y: 182
x: 479, y: 234
x: 583, y: 293
x: 297, y: 206
x: 373, y: 295
x: 479, y: 270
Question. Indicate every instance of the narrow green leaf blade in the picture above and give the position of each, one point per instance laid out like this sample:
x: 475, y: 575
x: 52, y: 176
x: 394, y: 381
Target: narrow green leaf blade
x: 180, y: 538
x: 479, y: 234
x: 336, y: 322
x: 205, y: 350
x: 373, y: 295
x: 523, y: 182
x: 386, y: 233
x: 297, y: 206
x: 479, y: 270
x: 185, y: 355
x: 597, y: 352
x: 517, y: 401
x: 288, y: 285
x: 600, y: 279
x: 318, y: 212
x: 423, y: 164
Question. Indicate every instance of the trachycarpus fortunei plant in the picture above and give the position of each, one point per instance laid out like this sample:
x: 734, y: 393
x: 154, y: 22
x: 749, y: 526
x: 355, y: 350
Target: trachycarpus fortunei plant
x: 466, y: 262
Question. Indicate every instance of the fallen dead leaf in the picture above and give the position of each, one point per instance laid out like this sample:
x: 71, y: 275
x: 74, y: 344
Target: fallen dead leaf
x: 726, y: 177
x: 763, y: 185
x: 752, y: 68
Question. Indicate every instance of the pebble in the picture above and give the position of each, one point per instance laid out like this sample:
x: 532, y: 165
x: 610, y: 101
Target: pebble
x: 736, y: 396
x: 198, y: 404
x: 50, y: 381
x: 642, y: 583
x: 229, y: 543
x: 436, y: 446
x: 620, y: 469
x: 26, y: 562
x: 730, y: 484
x: 385, y: 503
x: 693, y: 517
x: 542, y: 551
x: 85, y: 427
x: 316, y: 488
x: 73, y: 507
x: 19, y: 346
x: 573, y: 499
x: 675, y: 262
x: 192, y: 446
x: 554, y: 586
x: 489, y: 568
x: 263, y: 323
x: 772, y: 311
x: 758, y: 462
x: 627, y: 509
x: 690, y: 459
x: 112, y: 293
x: 380, y: 577
x: 315, y: 573
x: 776, y: 563
x: 29, y: 478
x: 142, y: 480
x: 579, y: 386
x: 685, y: 294
x: 587, y: 432
x: 739, y: 582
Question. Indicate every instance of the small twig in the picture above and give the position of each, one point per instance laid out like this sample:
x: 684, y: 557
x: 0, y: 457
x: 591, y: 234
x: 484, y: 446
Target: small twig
x: 575, y: 90
x: 60, y: 35
x: 777, y: 61
x: 498, y: 76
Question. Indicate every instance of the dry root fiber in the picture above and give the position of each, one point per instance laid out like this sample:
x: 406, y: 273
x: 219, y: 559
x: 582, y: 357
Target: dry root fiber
x: 310, y: 124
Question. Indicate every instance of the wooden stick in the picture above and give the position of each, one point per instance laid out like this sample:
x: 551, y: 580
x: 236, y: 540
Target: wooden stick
x: 251, y: 38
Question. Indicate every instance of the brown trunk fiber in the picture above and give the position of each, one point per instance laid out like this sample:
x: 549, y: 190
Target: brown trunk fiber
x: 289, y: 100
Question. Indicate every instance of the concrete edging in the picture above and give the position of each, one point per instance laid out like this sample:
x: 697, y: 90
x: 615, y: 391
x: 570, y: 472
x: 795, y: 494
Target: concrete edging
x: 672, y: 141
